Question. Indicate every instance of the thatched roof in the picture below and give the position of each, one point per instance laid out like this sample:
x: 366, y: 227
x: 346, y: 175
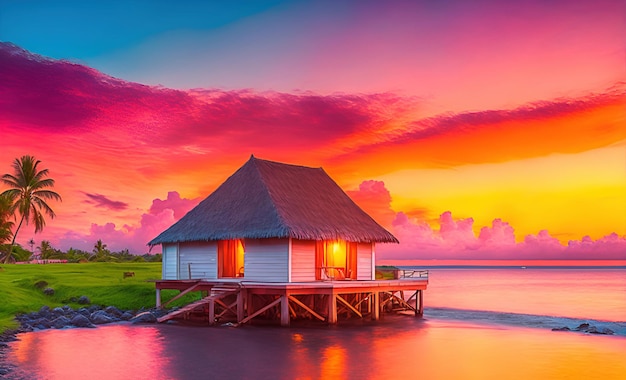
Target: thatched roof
x: 265, y: 199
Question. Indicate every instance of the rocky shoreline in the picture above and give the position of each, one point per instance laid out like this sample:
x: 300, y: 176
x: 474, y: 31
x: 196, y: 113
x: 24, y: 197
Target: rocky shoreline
x: 67, y: 317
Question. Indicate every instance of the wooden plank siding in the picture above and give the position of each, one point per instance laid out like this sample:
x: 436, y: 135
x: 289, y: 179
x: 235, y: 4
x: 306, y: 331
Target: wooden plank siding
x: 302, y: 260
x: 170, y: 262
x: 197, y: 260
x: 364, y: 261
x: 267, y: 260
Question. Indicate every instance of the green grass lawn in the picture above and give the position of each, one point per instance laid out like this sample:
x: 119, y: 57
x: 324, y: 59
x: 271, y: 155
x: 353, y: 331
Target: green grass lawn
x: 103, y: 283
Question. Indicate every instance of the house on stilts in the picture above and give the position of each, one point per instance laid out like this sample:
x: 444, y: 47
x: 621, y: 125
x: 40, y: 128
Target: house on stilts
x: 281, y: 242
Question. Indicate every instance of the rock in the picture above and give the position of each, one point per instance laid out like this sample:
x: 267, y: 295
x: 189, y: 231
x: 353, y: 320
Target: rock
x: 45, y: 309
x: 606, y: 331
x: 48, y: 291
x: 83, y: 300
x: 80, y: 320
x: 101, y: 317
x: 112, y: 310
x: 127, y: 316
x: 84, y: 312
x: 582, y: 327
x: 564, y: 328
x: 58, y: 311
x: 94, y: 308
x: 145, y: 317
x: 41, y: 284
x: 61, y: 322
x: 42, y: 323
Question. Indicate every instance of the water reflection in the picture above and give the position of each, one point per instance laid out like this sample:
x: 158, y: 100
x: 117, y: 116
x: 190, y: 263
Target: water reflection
x: 95, y: 353
x: 407, y: 348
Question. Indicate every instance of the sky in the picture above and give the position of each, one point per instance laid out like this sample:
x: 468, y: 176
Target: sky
x: 470, y: 130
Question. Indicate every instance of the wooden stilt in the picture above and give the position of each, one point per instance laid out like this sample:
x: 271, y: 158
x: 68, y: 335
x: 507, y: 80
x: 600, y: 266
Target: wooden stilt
x: 240, y: 306
x: 332, y: 309
x: 284, y: 310
x: 375, y: 298
x: 420, y: 309
x: 158, y: 299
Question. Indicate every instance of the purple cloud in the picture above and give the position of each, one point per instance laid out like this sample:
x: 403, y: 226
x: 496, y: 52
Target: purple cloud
x: 100, y: 200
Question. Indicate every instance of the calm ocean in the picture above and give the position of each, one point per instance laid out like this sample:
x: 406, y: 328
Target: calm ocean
x: 479, y: 323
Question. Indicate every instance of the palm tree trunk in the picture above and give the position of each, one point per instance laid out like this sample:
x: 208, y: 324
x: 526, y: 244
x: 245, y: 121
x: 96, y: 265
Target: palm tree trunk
x: 9, y: 255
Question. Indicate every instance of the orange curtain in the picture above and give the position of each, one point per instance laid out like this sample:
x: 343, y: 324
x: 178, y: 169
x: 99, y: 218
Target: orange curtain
x: 320, y: 258
x: 227, y: 258
x: 351, y: 260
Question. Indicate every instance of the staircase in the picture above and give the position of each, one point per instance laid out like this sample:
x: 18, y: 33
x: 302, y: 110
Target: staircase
x: 217, y: 293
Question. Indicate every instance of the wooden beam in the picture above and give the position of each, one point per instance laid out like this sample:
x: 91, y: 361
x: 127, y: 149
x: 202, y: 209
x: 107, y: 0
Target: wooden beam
x: 226, y: 308
x: 211, y: 312
x: 182, y: 293
x: 342, y: 300
x: 261, y: 310
x: 305, y: 307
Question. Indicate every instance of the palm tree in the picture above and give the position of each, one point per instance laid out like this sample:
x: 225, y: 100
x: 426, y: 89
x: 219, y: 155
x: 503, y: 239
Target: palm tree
x: 45, y: 250
x: 100, y: 251
x: 6, y: 225
x: 29, y: 191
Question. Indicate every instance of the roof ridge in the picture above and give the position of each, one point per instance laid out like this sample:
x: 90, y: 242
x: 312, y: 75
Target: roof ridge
x: 280, y: 216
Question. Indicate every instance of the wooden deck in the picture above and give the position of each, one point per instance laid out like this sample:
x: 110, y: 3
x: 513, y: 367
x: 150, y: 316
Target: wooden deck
x: 238, y: 301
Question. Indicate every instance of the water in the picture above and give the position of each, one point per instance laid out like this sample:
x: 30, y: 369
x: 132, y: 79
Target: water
x: 478, y: 324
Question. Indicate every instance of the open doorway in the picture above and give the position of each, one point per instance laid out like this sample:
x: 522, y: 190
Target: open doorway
x: 230, y: 258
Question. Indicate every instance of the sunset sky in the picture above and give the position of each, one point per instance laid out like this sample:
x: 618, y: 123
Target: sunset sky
x: 469, y: 129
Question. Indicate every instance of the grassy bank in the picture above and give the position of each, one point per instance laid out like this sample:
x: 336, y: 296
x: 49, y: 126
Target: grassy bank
x: 22, y: 287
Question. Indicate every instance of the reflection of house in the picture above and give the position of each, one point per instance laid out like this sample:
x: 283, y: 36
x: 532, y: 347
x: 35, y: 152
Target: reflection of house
x: 273, y: 222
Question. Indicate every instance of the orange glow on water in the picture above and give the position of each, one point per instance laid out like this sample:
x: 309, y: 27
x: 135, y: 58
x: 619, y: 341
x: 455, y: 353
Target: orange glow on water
x: 333, y: 363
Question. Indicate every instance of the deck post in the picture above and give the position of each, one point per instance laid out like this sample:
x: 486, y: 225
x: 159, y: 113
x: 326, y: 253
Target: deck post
x: 211, y: 312
x: 158, y: 298
x: 240, y: 306
x: 332, y: 309
x: 284, y: 310
x: 420, y: 310
x: 375, y: 301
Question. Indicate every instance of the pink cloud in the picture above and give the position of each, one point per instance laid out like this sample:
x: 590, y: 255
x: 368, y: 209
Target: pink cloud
x: 455, y: 238
x: 374, y: 198
x: 162, y: 214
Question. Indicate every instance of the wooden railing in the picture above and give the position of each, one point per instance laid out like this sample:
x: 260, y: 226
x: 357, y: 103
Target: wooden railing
x: 412, y: 273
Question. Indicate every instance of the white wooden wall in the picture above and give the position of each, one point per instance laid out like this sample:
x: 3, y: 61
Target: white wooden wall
x: 199, y: 258
x: 364, y: 261
x: 170, y: 262
x: 302, y: 260
x: 267, y: 260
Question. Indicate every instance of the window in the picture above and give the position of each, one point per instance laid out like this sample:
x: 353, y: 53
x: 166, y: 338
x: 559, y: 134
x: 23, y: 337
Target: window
x: 335, y: 259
